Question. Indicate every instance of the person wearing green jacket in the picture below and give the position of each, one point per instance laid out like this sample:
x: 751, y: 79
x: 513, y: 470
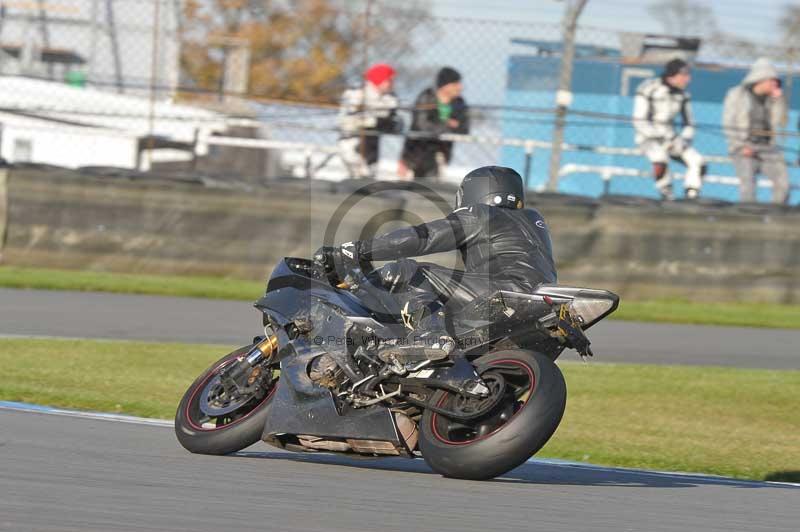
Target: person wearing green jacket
x: 436, y: 111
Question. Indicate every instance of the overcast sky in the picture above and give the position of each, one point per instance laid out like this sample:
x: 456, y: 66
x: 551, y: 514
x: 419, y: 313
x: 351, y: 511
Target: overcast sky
x: 481, y: 50
x: 754, y: 19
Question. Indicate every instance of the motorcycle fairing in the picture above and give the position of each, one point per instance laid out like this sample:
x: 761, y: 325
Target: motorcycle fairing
x: 582, y: 299
x: 299, y: 406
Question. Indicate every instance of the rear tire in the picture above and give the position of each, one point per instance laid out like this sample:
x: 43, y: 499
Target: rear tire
x: 528, y: 423
x: 241, y: 429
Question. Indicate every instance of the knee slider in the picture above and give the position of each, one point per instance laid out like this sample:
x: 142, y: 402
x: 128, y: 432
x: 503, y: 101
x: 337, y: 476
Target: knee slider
x: 659, y: 169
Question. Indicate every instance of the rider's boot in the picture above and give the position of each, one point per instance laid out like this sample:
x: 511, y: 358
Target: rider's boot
x: 429, y: 339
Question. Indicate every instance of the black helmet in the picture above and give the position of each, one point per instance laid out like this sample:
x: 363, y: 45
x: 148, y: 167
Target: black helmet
x: 498, y: 186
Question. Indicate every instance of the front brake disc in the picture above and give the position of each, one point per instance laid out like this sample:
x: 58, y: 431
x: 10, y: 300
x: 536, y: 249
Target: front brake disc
x: 215, y: 401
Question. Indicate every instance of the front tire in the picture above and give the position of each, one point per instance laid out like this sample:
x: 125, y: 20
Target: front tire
x: 199, y: 433
x: 511, y: 432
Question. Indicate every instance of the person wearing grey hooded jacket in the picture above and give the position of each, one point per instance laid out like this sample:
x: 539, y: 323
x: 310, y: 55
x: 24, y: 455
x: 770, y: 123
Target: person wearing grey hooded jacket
x: 752, y: 113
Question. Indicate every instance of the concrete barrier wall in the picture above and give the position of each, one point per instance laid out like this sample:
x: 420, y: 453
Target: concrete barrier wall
x: 638, y: 248
x: 682, y: 252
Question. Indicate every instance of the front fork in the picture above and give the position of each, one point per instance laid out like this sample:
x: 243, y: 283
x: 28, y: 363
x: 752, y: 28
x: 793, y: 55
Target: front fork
x: 239, y: 378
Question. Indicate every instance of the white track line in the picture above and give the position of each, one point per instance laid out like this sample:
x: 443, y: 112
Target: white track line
x: 102, y: 416
x: 42, y: 337
x: 102, y: 339
x: 120, y: 418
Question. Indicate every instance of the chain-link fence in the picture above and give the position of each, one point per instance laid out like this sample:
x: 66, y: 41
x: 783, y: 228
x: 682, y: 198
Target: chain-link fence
x: 253, y: 88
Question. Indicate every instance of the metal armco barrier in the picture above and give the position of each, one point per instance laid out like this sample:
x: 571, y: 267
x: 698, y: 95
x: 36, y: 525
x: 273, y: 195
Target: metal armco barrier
x: 608, y: 172
x: 530, y: 146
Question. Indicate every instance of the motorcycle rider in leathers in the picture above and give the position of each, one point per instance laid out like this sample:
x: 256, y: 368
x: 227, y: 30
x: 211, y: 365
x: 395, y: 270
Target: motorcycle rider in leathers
x: 504, y: 246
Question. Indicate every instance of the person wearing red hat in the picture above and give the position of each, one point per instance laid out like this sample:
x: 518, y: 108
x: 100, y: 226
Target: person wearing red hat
x: 364, y: 114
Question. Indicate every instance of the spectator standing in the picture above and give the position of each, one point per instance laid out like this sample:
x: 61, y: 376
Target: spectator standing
x: 364, y: 113
x: 436, y: 110
x: 753, y: 111
x: 657, y: 104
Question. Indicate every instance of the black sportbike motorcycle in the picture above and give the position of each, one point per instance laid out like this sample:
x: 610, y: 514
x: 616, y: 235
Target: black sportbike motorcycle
x: 343, y: 367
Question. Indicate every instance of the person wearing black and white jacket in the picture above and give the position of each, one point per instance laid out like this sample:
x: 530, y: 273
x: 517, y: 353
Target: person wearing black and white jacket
x: 657, y: 104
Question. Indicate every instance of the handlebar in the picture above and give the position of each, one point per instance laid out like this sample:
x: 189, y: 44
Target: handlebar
x: 351, y: 277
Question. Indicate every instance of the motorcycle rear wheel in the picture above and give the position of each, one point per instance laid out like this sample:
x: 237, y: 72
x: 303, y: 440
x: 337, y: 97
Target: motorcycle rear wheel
x: 509, y: 434
x: 200, y: 433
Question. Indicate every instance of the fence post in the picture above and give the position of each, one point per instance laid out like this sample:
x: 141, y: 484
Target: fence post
x: 3, y: 206
x: 111, y: 22
x: 529, y: 150
x: 195, y: 142
x: 309, y: 173
x: 606, y: 175
x: 564, y: 94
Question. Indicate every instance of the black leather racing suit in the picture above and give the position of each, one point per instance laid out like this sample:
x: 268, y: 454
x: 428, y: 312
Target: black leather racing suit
x: 501, y: 248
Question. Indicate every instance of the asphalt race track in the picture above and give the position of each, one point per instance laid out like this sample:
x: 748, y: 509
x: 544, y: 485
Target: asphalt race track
x: 156, y: 318
x: 74, y: 474
x: 68, y: 473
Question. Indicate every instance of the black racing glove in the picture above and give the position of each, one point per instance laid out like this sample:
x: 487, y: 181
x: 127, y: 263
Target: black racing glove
x: 339, y: 260
x: 324, y: 257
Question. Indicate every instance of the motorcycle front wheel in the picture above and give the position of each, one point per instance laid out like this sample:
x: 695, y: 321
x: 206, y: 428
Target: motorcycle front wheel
x: 209, y: 422
x: 533, y: 398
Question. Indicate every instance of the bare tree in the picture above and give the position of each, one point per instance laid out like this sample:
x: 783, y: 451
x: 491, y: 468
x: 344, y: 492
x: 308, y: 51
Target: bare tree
x: 684, y: 18
x: 789, y: 26
x: 395, y: 33
x: 301, y: 49
x: 733, y: 46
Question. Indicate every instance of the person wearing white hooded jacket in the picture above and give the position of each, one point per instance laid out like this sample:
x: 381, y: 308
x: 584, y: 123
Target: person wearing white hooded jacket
x: 657, y: 104
x: 753, y: 112
x: 366, y: 112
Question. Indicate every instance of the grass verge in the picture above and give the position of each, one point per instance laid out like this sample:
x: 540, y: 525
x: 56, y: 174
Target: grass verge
x: 763, y: 315
x: 725, y: 421
x: 128, y: 283
x: 676, y: 311
x: 733, y: 422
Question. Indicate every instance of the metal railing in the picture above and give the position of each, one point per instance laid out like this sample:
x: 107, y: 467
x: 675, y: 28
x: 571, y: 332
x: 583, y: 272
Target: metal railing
x: 608, y: 172
x: 530, y: 146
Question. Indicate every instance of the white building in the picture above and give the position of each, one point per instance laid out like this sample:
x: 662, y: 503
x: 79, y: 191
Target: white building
x: 27, y: 139
x: 52, y: 123
x: 115, y: 45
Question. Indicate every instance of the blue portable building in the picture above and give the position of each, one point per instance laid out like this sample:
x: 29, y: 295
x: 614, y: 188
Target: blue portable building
x: 603, y: 87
